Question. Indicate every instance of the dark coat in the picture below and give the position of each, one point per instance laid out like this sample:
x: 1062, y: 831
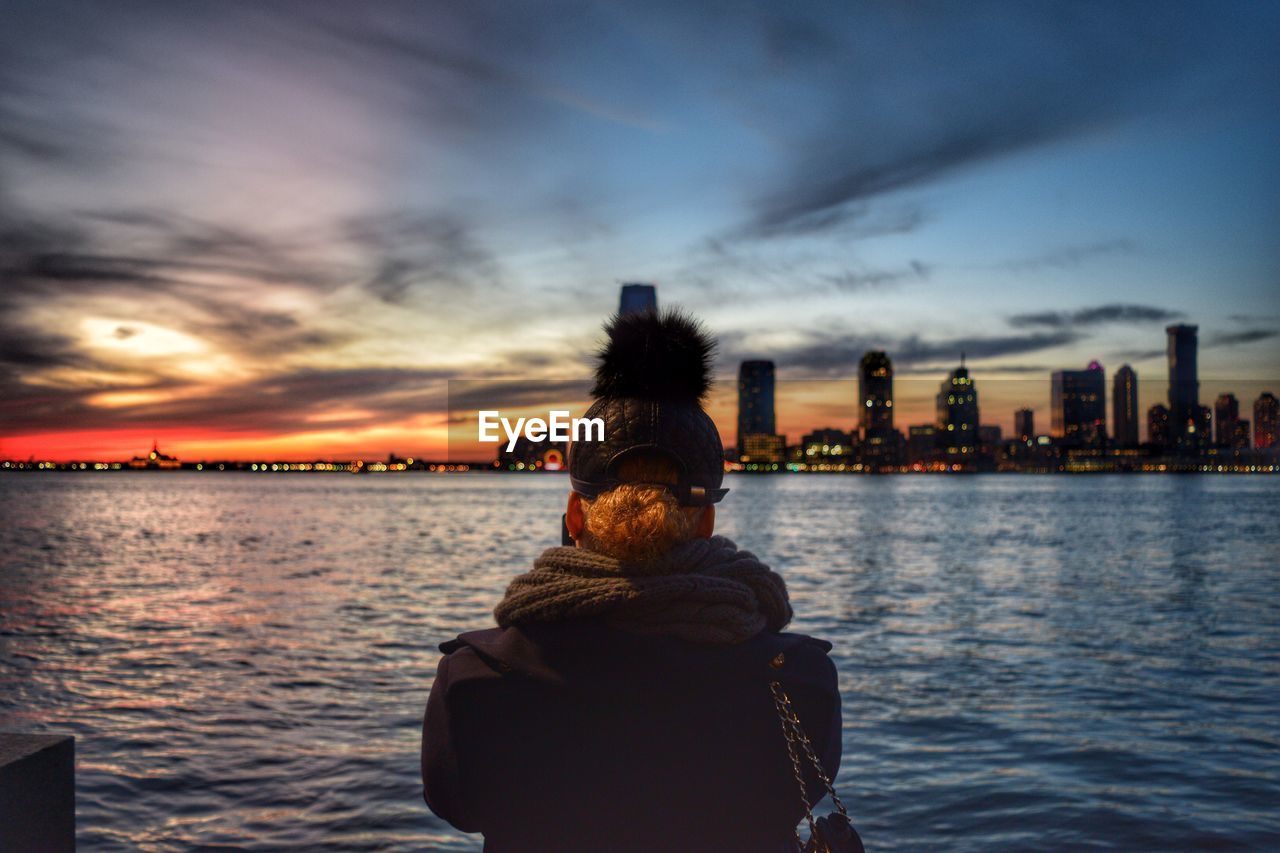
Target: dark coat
x: 577, y: 736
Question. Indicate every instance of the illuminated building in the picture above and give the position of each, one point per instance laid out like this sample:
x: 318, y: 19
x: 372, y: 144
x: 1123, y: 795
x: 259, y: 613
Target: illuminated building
x: 155, y: 460
x: 637, y: 299
x: 1185, y: 427
x: 1024, y: 424
x: 922, y: 444
x: 875, y: 386
x: 881, y: 443
x: 762, y: 449
x: 1158, y: 425
x: 1240, y: 438
x: 1078, y: 406
x: 1226, y: 415
x: 957, y: 421
x: 1200, y: 430
x: 1124, y: 407
x: 1266, y: 422
x: 757, y: 438
x: 827, y: 446
x: 529, y: 455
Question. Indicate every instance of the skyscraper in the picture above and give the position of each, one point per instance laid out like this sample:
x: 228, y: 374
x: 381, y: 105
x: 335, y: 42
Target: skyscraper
x: 1184, y: 389
x: 1266, y: 422
x: 1158, y: 426
x: 875, y: 391
x: 755, y: 404
x: 957, y: 422
x: 1024, y: 424
x: 1226, y: 415
x: 1078, y: 409
x: 880, y: 442
x: 638, y: 298
x: 1124, y: 406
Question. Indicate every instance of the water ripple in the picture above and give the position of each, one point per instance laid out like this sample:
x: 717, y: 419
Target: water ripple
x: 1027, y: 662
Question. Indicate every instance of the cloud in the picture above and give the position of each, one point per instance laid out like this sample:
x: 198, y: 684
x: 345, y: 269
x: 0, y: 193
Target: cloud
x: 855, y: 280
x: 285, y: 402
x: 498, y: 70
x: 1247, y: 336
x: 837, y: 353
x: 983, y: 83
x: 852, y: 221
x: 511, y: 394
x: 421, y: 252
x: 1070, y: 257
x: 1096, y: 316
x: 1140, y: 354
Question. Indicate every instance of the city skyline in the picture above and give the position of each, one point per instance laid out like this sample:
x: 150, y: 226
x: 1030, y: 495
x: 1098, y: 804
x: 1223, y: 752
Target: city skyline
x: 1078, y: 406
x: 282, y: 231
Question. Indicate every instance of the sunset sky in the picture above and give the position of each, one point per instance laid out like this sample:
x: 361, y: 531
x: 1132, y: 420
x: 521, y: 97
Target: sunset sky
x: 278, y: 229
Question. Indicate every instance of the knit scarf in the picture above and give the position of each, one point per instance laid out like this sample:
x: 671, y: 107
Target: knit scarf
x: 704, y: 590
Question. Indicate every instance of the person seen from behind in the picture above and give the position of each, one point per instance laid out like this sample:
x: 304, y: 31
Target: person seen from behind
x: 630, y: 697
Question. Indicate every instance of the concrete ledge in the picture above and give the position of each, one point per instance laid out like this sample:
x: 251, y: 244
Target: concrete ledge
x: 37, y: 793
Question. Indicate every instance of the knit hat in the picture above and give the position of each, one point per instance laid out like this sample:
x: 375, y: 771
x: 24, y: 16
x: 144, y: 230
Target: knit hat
x: 653, y: 376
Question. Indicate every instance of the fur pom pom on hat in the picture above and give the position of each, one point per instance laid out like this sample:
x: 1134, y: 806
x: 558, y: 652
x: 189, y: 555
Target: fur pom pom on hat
x: 654, y: 373
x: 652, y: 356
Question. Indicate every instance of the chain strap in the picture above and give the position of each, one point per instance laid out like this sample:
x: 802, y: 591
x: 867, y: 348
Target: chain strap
x: 795, y: 735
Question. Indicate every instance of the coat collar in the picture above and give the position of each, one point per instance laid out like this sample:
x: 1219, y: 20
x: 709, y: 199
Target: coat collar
x: 565, y: 652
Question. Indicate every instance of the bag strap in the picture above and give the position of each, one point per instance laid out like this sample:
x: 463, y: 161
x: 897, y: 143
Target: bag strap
x: 798, y: 743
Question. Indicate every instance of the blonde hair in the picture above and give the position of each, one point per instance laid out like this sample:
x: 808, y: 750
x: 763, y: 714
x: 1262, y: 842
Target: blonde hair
x: 636, y: 521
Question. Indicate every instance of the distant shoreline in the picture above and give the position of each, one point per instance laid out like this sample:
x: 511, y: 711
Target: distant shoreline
x: 1155, y: 466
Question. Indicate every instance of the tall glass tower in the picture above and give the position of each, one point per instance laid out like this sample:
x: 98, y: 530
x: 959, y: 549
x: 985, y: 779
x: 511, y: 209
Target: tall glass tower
x: 1266, y: 421
x: 638, y: 298
x: 1226, y: 419
x: 1124, y: 406
x: 1078, y: 411
x: 1184, y: 387
x: 1024, y: 424
x: 880, y: 442
x: 957, y: 425
x: 875, y: 392
x: 755, y: 399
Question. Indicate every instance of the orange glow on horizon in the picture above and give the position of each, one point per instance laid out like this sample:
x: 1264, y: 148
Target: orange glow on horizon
x: 802, y: 406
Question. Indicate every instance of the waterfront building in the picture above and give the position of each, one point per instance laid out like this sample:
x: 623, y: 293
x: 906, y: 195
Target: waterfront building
x: 1266, y: 422
x: 1158, y: 426
x: 155, y: 460
x: 1124, y: 407
x: 756, y: 398
x: 990, y: 435
x: 1226, y: 414
x: 922, y: 444
x: 638, y: 299
x: 1185, y: 423
x: 875, y: 395
x: 957, y: 416
x: 758, y: 441
x: 1200, y: 431
x: 1240, y: 439
x: 826, y: 447
x: 763, y: 450
x: 528, y: 455
x: 881, y: 443
x: 1078, y: 407
x: 1024, y: 424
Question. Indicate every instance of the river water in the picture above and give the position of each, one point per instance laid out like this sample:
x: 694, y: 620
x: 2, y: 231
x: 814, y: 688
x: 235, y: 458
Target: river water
x: 1026, y: 662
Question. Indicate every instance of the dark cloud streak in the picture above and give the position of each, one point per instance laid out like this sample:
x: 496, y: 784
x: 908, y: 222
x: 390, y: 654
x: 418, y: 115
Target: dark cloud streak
x: 1096, y: 316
